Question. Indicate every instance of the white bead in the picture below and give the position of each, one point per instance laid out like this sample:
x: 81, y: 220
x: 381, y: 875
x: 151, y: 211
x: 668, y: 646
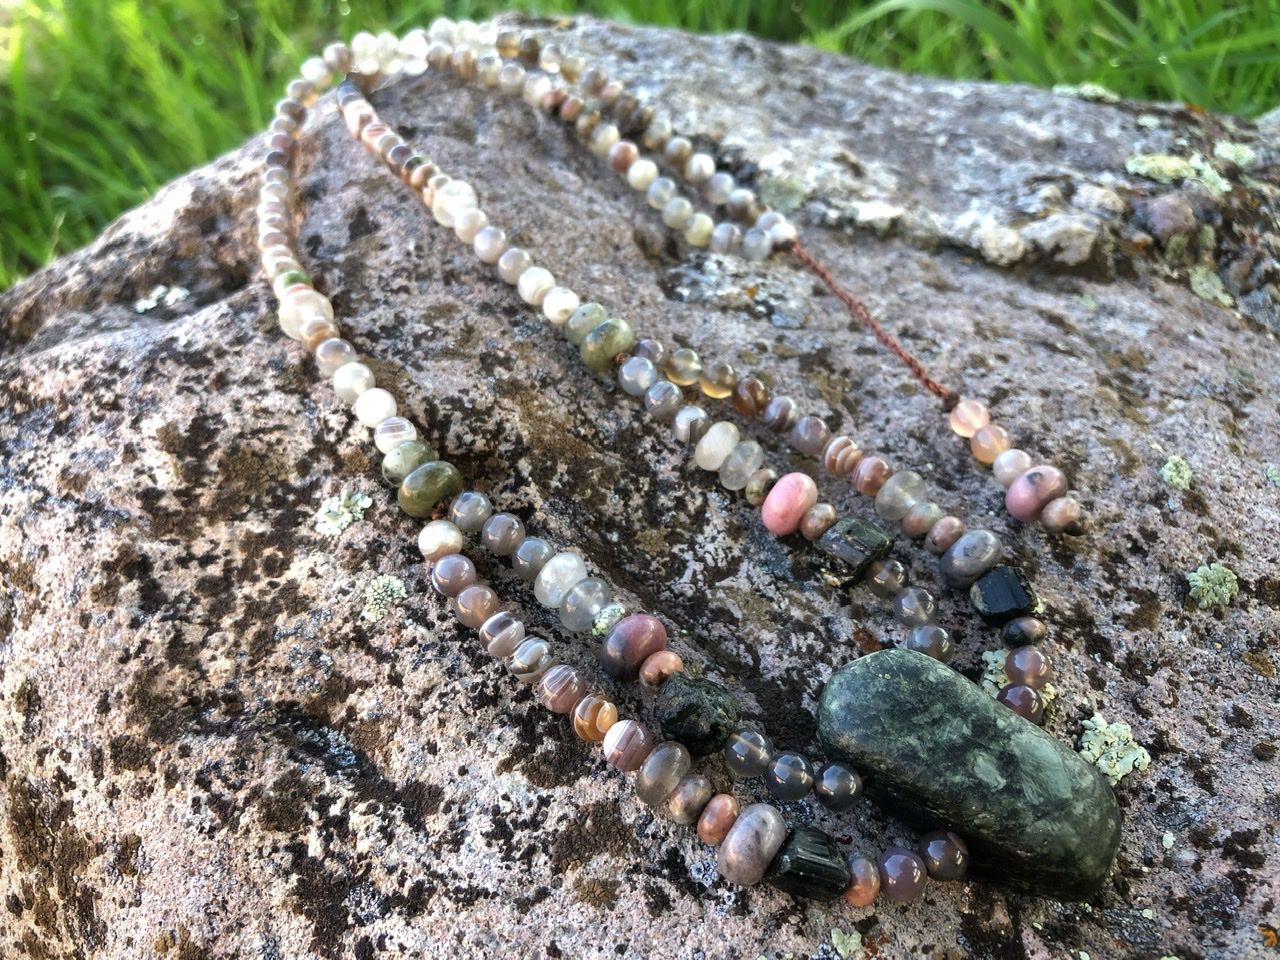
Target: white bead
x: 558, y: 305
x: 716, y: 444
x: 392, y: 432
x: 389, y: 53
x: 534, y: 284
x: 316, y: 71
x: 699, y: 168
x: 719, y: 187
x: 756, y: 244
x: 490, y: 244
x: 698, y: 232
x: 470, y: 222
x: 642, y: 173
x: 352, y: 379
x: 300, y: 306
x: 364, y: 53
x: 439, y: 538
x: 511, y: 78
x: 452, y: 200
x: 536, y: 86
x: 373, y: 406
x: 441, y: 29
x: 782, y: 232
x: 556, y: 577
x: 413, y: 51
x: 604, y: 137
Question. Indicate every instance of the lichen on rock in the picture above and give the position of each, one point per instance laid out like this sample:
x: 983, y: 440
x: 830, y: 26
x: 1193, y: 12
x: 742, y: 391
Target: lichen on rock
x: 1213, y: 585
x: 1112, y: 748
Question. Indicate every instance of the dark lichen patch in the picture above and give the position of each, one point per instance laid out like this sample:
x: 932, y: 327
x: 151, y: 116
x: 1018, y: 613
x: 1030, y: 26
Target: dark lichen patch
x: 595, y: 892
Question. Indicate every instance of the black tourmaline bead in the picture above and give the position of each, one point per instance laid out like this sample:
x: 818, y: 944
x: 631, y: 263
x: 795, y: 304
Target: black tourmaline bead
x: 809, y: 865
x: 842, y: 554
x: 1001, y: 594
x: 697, y: 712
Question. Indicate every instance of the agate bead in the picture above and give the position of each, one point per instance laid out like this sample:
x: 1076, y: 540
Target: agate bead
x: 751, y: 844
x: 663, y: 400
x: 817, y: 520
x: 989, y: 442
x: 502, y: 634
x: 716, y: 445
x: 1022, y: 631
x: 944, y: 854
x: 626, y: 745
x: 352, y: 380
x: 786, y: 503
x: 1063, y: 515
x: 718, y: 379
x: 809, y: 436
x: 684, y: 368
x: 636, y: 376
x: 781, y: 414
x: 593, y: 715
x: 688, y: 799
x: 840, y: 456
x: 902, y: 874
x: 759, y: 484
x: 886, y: 578
x: 921, y: 518
x: 837, y: 787
x: 501, y: 534
x: 945, y: 532
x: 750, y: 396
x: 333, y: 353
x: 968, y: 417
x: 790, y: 776
x: 899, y: 494
x: 870, y: 475
x: 717, y: 818
x: 560, y: 688
x: 747, y: 753
x: 439, y: 538
x: 474, y: 604
x: 914, y: 607
x: 1023, y: 700
x: 632, y: 641
x: 392, y: 432
x: 660, y: 667
x: 932, y: 641
x: 530, y: 557
x: 470, y: 510
x: 373, y: 406
x: 530, y: 660
x: 690, y: 424
x: 452, y: 574
x: 1010, y: 465
x: 864, y: 885
x: 1029, y: 667
x: 969, y: 558
x: 584, y: 600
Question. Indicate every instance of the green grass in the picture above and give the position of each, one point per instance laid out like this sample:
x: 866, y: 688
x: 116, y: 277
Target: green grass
x: 102, y: 101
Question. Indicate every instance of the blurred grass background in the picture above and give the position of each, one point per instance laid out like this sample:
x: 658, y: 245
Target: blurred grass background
x: 102, y: 101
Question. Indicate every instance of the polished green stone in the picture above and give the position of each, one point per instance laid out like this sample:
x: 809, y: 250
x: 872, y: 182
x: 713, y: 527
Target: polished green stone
x: 1035, y: 814
x: 403, y: 459
x: 606, y: 341
x: 582, y: 321
x: 428, y: 485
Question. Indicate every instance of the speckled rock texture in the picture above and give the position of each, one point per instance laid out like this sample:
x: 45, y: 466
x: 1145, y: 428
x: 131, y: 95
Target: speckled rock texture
x: 208, y: 750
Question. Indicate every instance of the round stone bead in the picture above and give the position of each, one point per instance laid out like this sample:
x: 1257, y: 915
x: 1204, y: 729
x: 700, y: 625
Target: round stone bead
x: 451, y: 201
x: 534, y: 284
x: 921, y: 518
x: 969, y: 558
x: 662, y: 400
x: 865, y: 885
x: 501, y: 534
x: 790, y: 776
x: 626, y: 745
x: 373, y: 406
x: 452, y: 574
x: 561, y: 688
x: 530, y: 661
x: 392, y: 432
x: 470, y: 223
x: 684, y: 368
x: 502, y: 634
x: 750, y: 396
x: 592, y: 717
x: 583, y: 320
x: 968, y: 417
x: 840, y: 456
x: 756, y: 244
x: 438, y: 539
x: 945, y: 532
x: 632, y: 641
x: 718, y: 379
x: 902, y: 874
x: 584, y: 600
x: 717, y: 818
x: 698, y: 232
x: 641, y: 174
x: 914, y: 607
x: 470, y: 510
x: 725, y: 238
x: 809, y: 436
x: 688, y: 799
x: 530, y: 557
x: 886, y: 578
x: 1022, y: 631
x: 660, y: 667
x: 817, y: 520
x: 747, y: 753
x: 690, y: 424
x: 334, y: 353
x: 743, y: 460
x: 759, y: 484
x: 837, y: 787
x: 870, y: 475
x: 636, y: 376
x: 475, y: 604
x: 404, y: 459
x: 786, y: 503
x: 622, y: 155
x: 660, y: 772
x: 677, y: 213
x: 699, y: 168
x: 1027, y: 495
x: 751, y: 844
x: 1023, y: 700
x: 608, y: 339
x: 716, y: 445
x: 558, y: 305
x: 427, y: 486
x: 490, y: 244
x: 300, y: 304
x: 557, y: 576
x: 932, y: 641
x: 1010, y: 465
x: 780, y: 414
x: 1029, y: 667
x: 989, y: 442
x: 513, y: 263
x: 1063, y: 515
x: 945, y: 855
x: 719, y: 186
x: 661, y: 192
x: 899, y: 494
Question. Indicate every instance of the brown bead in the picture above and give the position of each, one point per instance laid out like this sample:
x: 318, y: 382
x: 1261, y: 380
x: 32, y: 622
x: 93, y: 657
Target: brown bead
x: 864, y: 886
x: 870, y: 474
x: 1064, y: 515
x: 622, y: 155
x: 452, y: 574
x: 688, y: 799
x: 530, y: 49
x: 902, y: 874
x: 718, y: 379
x: 593, y: 715
x: 945, y: 855
x: 677, y: 151
x: 560, y: 688
x: 920, y: 519
x: 475, y: 604
x: 717, y: 818
x: 316, y: 331
x: 750, y: 396
x: 781, y: 414
x: 1023, y: 701
x: 759, y: 484
x: 817, y: 520
x: 571, y: 108
x: 840, y: 456
x: 1029, y: 667
x: 660, y: 667
x: 627, y: 744
x: 943, y: 534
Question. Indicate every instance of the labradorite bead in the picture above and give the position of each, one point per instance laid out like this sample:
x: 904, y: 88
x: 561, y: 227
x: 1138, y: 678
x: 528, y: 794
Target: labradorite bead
x: 428, y: 485
x: 404, y: 459
x: 810, y: 865
x: 698, y: 712
x: 606, y: 341
x: 969, y: 558
x: 582, y: 321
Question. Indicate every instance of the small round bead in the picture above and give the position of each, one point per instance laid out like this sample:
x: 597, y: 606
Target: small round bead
x: 837, y: 787
x: 968, y: 417
x: 688, y: 799
x: 1022, y: 631
x: 451, y: 200
x: 1029, y: 667
x: 840, y: 456
x: 1010, y: 465
x: 630, y: 643
x: 1022, y: 700
x: 636, y: 376
x: 334, y: 353
x: 475, y: 604
x: 759, y: 484
x: 699, y: 168
x: 452, y: 574
x: 725, y: 238
x: 660, y: 772
x: 870, y: 475
x: 747, y: 753
x: 741, y: 204
x: 677, y: 213
x: 530, y: 661
x: 684, y: 368
x: 1027, y: 496
x: 786, y: 503
x: 716, y: 445
x: 585, y: 319
x: 677, y: 151
x: 809, y: 436
x: 932, y: 641
x: 1063, y: 515
x: 392, y: 432
x: 561, y: 688
x: 641, y: 174
x: 945, y: 532
x: 490, y: 244
x: 584, y: 600
x: 501, y: 534
x: 557, y: 576
x: 662, y: 400
x: 969, y: 558
x: 756, y: 244
x: 865, y: 884
x: 690, y: 424
x: 989, y: 442
x: 817, y: 520
x: 530, y: 557
x: 470, y: 223
x: 438, y: 539
x: 513, y: 263
x: 751, y: 844
x: 717, y: 818
x: 781, y: 414
x: 718, y: 379
x: 502, y: 634
x: 660, y: 193
x: 914, y: 607
x: 622, y: 155
x: 790, y: 776
x: 945, y: 855
x: 902, y: 874
x: 593, y: 715
x: 698, y: 232
x: 626, y: 745
x: 750, y: 396
x: 718, y: 188
x: 921, y: 518
x: 373, y: 406
x: 470, y: 510
x: 558, y: 305
x: 741, y: 463
x: 660, y: 667
x: 899, y: 494
x: 657, y: 133
x: 534, y: 284
x: 886, y: 578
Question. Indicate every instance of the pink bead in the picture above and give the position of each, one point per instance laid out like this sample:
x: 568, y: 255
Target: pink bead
x: 1010, y: 465
x: 785, y: 506
x: 1027, y: 495
x: 968, y: 417
x: 989, y: 442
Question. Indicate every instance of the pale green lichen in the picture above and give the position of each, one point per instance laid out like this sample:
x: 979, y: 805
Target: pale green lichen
x: 1086, y: 91
x: 1148, y: 121
x: 1168, y: 168
x: 782, y: 193
x: 1166, y: 840
x: 1207, y: 285
x: 1176, y: 472
x: 1111, y: 748
x: 338, y: 513
x: 1272, y: 473
x: 1213, y: 585
x: 381, y: 595
x: 161, y: 295
x: 1240, y: 154
x: 846, y: 944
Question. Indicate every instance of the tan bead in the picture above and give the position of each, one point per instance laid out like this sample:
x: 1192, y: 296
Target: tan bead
x: 989, y: 442
x: 864, y: 885
x: 841, y: 456
x: 870, y: 474
x: 475, y: 604
x: 943, y: 534
x: 622, y: 155
x: 683, y: 367
x: 593, y: 715
x: 1064, y: 515
x: 718, y: 379
x: 660, y: 667
x: 717, y: 818
x: 560, y: 688
x: 316, y: 330
x: 817, y: 520
x: 750, y: 396
x: 968, y: 417
x: 1010, y: 465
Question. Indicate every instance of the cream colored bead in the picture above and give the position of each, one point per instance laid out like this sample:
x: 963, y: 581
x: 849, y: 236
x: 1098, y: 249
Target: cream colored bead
x: 392, y: 432
x: 439, y: 538
x: 699, y: 168
x: 698, y: 232
x: 490, y: 244
x: 351, y: 380
x: 534, y: 285
x: 316, y: 71
x: 642, y: 173
x: 299, y: 306
x: 536, y: 86
x: 716, y: 444
x: 558, y: 305
x: 451, y: 201
x: 470, y: 222
x: 373, y: 406
x: 604, y: 137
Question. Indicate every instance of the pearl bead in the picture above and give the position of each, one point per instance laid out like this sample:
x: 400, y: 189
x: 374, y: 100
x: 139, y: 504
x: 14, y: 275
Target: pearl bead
x: 513, y: 263
x: 534, y: 284
x: 968, y: 417
x: 373, y: 406
x: 490, y: 244
x: 451, y: 201
x: 559, y: 304
x: 470, y: 223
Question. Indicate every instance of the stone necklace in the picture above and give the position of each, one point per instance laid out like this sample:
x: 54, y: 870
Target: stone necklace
x: 755, y: 840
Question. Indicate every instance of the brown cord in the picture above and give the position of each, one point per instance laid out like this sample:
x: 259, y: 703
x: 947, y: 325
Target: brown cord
x: 860, y: 313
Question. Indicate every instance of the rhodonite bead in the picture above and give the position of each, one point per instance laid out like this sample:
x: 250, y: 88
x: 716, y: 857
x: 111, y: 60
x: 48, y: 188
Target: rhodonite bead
x: 750, y: 396
x: 636, y: 376
x: 899, y: 494
x: 944, y: 532
x: 660, y: 772
x: 470, y: 510
x: 817, y: 520
x: 688, y: 799
x: 1002, y: 594
x: 809, y: 865
x: 593, y: 715
x: 373, y: 406
x: 989, y: 442
x: 626, y: 745
x: 584, y: 600
x: 452, y: 574
x: 427, y: 486
x: 1023, y: 631
x: 837, y: 787
x: 809, y: 436
x: 864, y: 882
x: 475, y: 604
x: 530, y: 661
x: 690, y: 424
x: 790, y: 776
x: 945, y: 855
x: 501, y: 534
x: 718, y: 379
x: 969, y: 558
x: 502, y: 634
x: 560, y: 688
x: 751, y: 844
x: 530, y: 557
x: 662, y: 400
x: 747, y: 753
x: 914, y: 607
x: 351, y: 380
x: 717, y: 818
x: 921, y: 518
x: 968, y: 417
x: 1027, y: 495
x: 1063, y: 515
x: 684, y: 368
x: 1029, y: 667
x: 716, y: 445
x: 582, y: 321
x: 759, y: 484
x: 844, y: 553
x: 1025, y: 701
x: 902, y: 874
x: 840, y: 456
x: 697, y: 712
x: 870, y: 475
x: 630, y: 643
x: 660, y: 667
x: 886, y: 578
x: 403, y: 459
x: 557, y: 576
x: 743, y: 460
x: 392, y: 432
x: 932, y: 641
x: 781, y: 414
x: 785, y: 506
x: 439, y: 538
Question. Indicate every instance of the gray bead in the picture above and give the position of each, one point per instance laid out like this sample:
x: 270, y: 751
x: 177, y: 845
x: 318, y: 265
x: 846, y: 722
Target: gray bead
x: 969, y: 558
x: 743, y: 460
x: 469, y: 511
x: 931, y: 640
x: 747, y: 753
x: 810, y: 435
x: 502, y: 534
x: 690, y: 424
x: 719, y: 187
x: 751, y: 844
x: 790, y: 776
x: 660, y: 192
x: 886, y: 578
x: 663, y: 399
x: 530, y: 661
x: 837, y: 787
x: 530, y: 556
x: 584, y: 600
x: 660, y: 772
x: 725, y: 238
x: 756, y: 244
x: 914, y: 607
x: 636, y: 376
x: 899, y: 494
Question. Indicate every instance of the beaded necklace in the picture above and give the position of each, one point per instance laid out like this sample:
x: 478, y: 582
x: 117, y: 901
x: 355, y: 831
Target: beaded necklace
x: 751, y: 839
